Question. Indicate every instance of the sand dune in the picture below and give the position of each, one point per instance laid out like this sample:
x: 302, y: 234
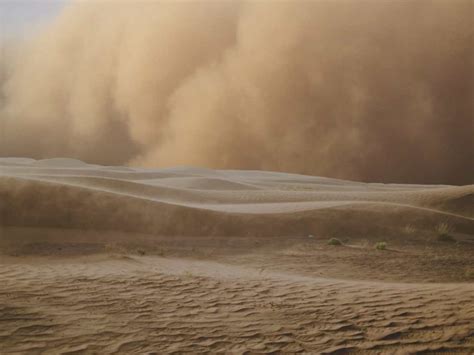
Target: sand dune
x: 41, y: 193
x: 130, y: 260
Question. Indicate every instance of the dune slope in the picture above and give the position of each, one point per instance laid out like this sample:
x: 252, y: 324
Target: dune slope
x: 189, y: 201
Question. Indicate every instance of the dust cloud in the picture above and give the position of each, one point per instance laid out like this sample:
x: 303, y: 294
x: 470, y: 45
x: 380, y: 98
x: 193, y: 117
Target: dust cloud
x: 364, y: 90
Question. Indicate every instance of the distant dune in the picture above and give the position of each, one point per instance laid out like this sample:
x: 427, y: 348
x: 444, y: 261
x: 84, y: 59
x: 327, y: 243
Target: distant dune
x: 112, y: 259
x: 68, y: 193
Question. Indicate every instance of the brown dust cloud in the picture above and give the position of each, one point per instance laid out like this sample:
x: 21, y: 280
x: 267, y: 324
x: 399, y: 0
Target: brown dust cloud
x: 364, y: 90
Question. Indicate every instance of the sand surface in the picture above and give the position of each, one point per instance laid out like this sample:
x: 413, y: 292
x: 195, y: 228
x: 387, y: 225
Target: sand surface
x: 103, y: 260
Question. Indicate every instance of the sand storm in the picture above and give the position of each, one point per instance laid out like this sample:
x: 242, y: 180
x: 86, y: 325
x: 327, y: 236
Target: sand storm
x: 363, y: 91
x: 243, y: 177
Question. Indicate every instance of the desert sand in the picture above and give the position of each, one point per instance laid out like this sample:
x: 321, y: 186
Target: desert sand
x: 101, y: 259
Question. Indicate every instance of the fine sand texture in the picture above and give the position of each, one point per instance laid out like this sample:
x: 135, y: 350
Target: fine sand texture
x: 104, y: 260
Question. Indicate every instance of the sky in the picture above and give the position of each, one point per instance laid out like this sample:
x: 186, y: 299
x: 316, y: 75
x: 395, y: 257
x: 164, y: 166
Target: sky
x: 19, y: 17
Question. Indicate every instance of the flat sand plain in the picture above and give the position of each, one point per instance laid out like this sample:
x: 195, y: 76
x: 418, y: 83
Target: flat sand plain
x: 103, y: 260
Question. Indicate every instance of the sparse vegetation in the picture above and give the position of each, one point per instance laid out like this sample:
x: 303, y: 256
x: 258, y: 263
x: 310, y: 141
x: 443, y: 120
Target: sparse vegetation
x: 334, y: 241
x: 445, y: 238
x: 443, y: 228
x: 381, y: 245
x: 409, y: 229
x: 443, y: 231
x: 469, y: 273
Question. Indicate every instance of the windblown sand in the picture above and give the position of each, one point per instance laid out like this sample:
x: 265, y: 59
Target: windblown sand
x: 103, y: 260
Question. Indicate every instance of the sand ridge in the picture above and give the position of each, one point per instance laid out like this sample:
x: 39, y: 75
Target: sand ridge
x: 217, y: 202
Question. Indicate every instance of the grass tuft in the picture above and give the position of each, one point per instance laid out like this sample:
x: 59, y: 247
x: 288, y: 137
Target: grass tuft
x: 334, y: 241
x: 443, y: 231
x: 380, y: 245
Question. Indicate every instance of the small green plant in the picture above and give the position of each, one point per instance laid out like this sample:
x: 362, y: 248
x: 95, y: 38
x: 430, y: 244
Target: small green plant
x: 469, y: 273
x: 445, y: 238
x: 380, y: 245
x: 334, y: 241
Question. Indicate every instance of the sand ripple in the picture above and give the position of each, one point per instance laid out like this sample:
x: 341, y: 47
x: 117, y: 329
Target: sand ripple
x: 165, y: 306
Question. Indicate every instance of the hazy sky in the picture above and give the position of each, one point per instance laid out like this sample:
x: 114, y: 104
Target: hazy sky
x: 18, y: 16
